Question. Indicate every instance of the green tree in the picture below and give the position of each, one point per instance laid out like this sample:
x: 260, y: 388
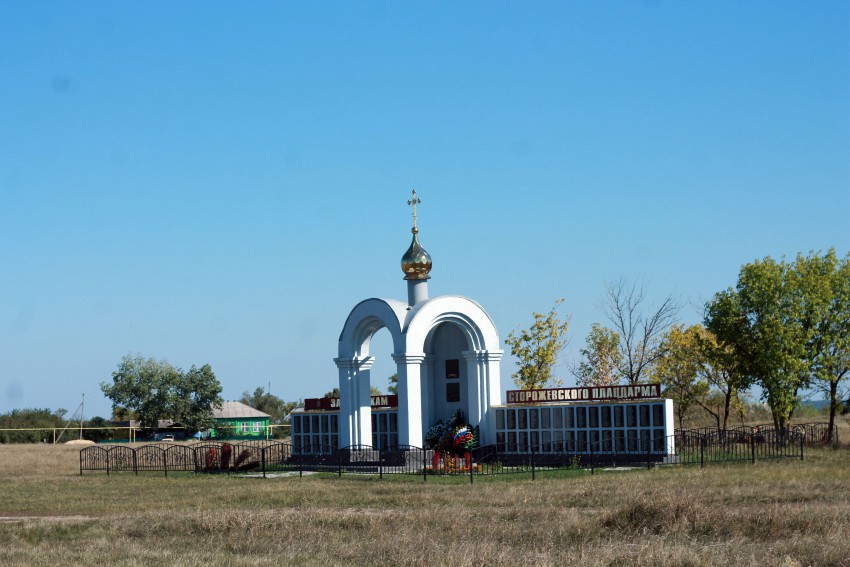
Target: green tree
x: 719, y: 366
x: 696, y: 371
x: 154, y: 390
x: 196, y: 393
x: 678, y: 372
x: 393, y: 387
x: 601, y: 358
x: 266, y: 402
x: 103, y: 430
x: 827, y: 280
x: 30, y: 419
x: 639, y: 326
x: 770, y: 321
x: 537, y: 348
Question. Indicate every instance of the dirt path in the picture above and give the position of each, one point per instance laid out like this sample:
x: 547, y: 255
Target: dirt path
x: 11, y: 518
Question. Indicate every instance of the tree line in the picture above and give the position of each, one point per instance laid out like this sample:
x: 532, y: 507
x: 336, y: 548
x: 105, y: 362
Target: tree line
x: 784, y: 327
x: 34, y: 425
x: 150, y: 390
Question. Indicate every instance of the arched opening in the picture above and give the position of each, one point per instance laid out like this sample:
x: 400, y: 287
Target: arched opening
x: 370, y: 335
x: 446, y: 387
x: 384, y: 420
x: 381, y: 348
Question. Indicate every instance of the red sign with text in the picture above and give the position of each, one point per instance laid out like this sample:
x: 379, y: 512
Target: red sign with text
x: 587, y: 394
x: 332, y: 404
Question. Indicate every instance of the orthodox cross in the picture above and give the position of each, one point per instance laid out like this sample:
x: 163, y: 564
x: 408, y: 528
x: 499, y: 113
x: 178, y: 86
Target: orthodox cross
x: 414, y: 201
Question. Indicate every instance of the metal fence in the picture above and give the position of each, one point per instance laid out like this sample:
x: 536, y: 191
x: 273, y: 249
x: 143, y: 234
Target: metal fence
x: 730, y: 446
x: 267, y: 457
x: 815, y: 433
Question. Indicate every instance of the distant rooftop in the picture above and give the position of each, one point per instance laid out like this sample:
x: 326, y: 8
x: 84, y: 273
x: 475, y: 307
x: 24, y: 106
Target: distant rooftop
x: 230, y: 410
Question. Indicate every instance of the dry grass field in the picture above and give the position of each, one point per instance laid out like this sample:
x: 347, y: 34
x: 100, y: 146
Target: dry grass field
x: 788, y: 514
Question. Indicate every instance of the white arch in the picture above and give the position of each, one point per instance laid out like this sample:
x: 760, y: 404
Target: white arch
x: 367, y: 317
x: 467, y: 314
x: 354, y: 363
x: 412, y: 331
x: 482, y: 363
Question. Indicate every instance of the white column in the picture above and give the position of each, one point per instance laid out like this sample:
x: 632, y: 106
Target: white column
x: 426, y: 389
x: 668, y: 427
x: 409, y: 368
x: 484, y: 391
x: 364, y: 400
x: 355, y: 401
x: 476, y: 388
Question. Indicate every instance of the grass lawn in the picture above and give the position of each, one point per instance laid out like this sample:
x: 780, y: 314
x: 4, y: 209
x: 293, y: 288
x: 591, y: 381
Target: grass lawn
x: 787, y: 513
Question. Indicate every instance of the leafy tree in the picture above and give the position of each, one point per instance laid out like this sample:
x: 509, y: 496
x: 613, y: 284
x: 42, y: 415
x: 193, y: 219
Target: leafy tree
x: 154, y: 390
x: 393, y: 387
x: 36, y: 422
x: 773, y: 321
x: 696, y: 371
x: 639, y: 327
x: 537, y: 348
x: 196, y: 393
x: 266, y: 402
x: 719, y: 366
x: 678, y: 372
x: 32, y: 419
x: 103, y: 431
x: 144, y: 386
x: 601, y: 358
x: 827, y: 280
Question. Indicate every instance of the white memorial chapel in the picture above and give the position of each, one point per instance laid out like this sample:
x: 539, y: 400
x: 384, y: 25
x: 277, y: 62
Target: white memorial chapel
x: 447, y: 354
x: 446, y: 351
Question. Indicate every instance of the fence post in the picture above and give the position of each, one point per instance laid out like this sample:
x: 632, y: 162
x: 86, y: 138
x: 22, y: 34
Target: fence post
x: 701, y: 451
x: 469, y: 464
x: 532, y: 463
x: 591, y: 460
x: 339, y: 463
x: 164, y: 462
x: 425, y: 465
x: 81, y: 462
x: 649, y: 451
x: 263, y: 460
x: 107, y: 461
x: 381, y: 464
x: 135, y: 464
x: 753, y: 448
x: 802, y: 439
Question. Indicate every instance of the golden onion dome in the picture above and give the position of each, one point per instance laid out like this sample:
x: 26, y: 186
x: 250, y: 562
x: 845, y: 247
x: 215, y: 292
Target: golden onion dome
x: 416, y: 262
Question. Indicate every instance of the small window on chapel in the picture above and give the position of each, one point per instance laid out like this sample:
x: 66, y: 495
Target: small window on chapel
x: 453, y: 368
x: 453, y: 392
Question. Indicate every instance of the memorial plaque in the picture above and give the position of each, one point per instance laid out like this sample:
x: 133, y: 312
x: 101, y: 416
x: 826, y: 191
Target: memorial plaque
x: 453, y: 368
x: 452, y: 392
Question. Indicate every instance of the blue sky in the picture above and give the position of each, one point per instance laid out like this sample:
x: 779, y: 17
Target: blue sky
x: 221, y: 183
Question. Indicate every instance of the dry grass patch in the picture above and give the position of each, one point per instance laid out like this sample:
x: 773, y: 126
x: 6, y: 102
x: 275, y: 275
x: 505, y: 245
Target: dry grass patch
x: 774, y: 514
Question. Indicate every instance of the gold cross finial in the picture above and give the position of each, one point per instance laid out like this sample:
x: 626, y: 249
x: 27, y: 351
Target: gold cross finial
x: 414, y: 201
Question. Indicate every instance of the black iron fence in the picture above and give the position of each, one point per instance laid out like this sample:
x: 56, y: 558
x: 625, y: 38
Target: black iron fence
x: 688, y: 447
x: 815, y: 433
x: 730, y: 446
